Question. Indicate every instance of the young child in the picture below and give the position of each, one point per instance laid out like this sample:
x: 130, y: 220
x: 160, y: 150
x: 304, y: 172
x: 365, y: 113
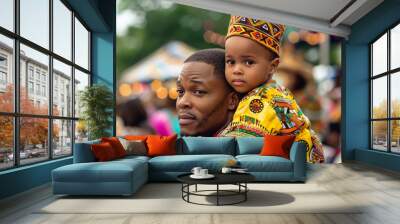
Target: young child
x: 251, y: 58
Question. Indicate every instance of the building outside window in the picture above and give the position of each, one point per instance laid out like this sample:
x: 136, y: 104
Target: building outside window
x: 385, y: 96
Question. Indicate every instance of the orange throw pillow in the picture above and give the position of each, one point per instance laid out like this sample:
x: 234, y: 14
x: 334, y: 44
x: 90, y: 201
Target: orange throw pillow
x: 161, y: 145
x: 136, y: 137
x: 116, y: 145
x: 103, y: 152
x: 276, y: 145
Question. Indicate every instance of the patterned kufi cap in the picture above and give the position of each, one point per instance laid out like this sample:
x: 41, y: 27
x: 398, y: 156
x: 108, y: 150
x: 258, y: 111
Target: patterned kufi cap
x: 265, y: 33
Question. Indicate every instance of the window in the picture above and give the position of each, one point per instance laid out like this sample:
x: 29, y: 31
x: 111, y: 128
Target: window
x: 385, y: 97
x: 30, y: 73
x: 3, y: 61
x: 54, y: 125
x: 44, y: 91
x: 38, y: 89
x: 37, y: 74
x: 34, y: 22
x: 81, y: 45
x: 62, y: 29
x: 30, y: 87
x: 6, y: 71
x: 3, y: 78
x: 3, y: 71
x: 7, y: 14
x: 62, y: 75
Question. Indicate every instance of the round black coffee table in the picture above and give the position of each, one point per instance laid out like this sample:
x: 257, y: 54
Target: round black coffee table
x: 238, y: 179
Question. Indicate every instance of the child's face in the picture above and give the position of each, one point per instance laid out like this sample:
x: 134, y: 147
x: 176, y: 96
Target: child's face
x: 247, y: 64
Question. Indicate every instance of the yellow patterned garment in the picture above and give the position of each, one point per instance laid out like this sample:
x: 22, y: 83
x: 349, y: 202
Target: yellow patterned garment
x: 271, y: 109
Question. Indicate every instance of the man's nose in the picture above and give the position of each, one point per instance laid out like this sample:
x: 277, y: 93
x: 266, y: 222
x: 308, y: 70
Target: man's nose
x: 184, y: 102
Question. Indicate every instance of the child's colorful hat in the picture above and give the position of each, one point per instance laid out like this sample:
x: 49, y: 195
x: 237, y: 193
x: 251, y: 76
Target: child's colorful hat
x: 265, y: 33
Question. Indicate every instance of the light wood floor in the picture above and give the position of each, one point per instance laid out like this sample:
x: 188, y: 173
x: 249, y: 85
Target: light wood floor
x: 379, y: 189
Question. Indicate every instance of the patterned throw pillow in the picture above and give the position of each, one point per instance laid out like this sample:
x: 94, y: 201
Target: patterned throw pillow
x: 134, y: 147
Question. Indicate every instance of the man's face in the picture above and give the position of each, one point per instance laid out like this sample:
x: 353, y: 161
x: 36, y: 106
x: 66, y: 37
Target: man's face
x: 247, y: 64
x: 203, y: 99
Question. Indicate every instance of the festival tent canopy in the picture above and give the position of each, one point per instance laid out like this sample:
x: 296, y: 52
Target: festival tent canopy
x: 164, y: 64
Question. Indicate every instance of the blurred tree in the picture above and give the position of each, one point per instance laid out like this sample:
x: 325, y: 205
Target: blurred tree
x: 162, y: 22
x: 380, y: 128
x: 34, y: 130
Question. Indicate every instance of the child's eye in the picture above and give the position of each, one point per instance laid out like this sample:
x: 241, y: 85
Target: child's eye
x: 249, y: 62
x: 230, y: 62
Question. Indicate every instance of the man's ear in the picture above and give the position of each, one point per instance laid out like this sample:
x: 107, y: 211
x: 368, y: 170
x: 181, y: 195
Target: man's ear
x: 233, y: 100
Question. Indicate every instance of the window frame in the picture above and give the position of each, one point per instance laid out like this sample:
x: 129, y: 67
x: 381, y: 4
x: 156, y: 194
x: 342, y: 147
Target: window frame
x: 16, y: 114
x: 388, y: 74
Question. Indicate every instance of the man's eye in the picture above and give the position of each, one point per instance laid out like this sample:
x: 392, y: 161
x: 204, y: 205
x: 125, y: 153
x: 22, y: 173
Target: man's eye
x: 180, y: 92
x: 249, y: 62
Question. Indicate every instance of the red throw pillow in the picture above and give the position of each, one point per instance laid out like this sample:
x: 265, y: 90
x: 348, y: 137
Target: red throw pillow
x: 136, y: 137
x: 161, y: 145
x: 276, y: 145
x: 116, y: 145
x: 103, y: 152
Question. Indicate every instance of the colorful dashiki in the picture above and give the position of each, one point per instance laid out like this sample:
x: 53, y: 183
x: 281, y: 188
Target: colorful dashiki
x: 271, y: 109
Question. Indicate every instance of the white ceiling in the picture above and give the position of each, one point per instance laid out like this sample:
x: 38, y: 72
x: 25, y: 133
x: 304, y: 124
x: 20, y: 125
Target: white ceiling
x: 333, y: 17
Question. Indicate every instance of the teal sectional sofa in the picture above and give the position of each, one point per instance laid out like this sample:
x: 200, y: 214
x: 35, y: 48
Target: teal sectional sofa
x: 125, y: 176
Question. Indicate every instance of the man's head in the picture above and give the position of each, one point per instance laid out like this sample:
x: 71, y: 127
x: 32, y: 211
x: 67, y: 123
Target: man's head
x: 252, y: 52
x: 205, y: 100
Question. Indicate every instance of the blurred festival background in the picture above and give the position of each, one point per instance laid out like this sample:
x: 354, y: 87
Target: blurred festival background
x: 154, y: 37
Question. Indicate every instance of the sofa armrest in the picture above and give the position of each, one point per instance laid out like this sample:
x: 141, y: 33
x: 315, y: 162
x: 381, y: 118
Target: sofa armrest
x: 298, y: 157
x: 83, y: 152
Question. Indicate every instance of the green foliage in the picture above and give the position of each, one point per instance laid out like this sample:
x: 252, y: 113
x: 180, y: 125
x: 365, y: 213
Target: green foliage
x: 163, y: 23
x: 96, y: 102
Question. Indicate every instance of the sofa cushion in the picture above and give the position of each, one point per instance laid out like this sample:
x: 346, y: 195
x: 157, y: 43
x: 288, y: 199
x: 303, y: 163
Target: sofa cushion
x: 103, y: 151
x: 116, y: 145
x: 161, y: 145
x: 276, y: 145
x: 134, y: 147
x: 112, y: 171
x: 257, y: 163
x: 185, y: 163
x: 249, y: 145
x: 206, y: 145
